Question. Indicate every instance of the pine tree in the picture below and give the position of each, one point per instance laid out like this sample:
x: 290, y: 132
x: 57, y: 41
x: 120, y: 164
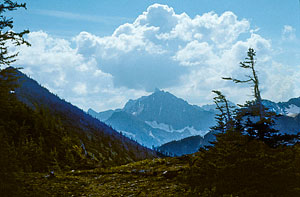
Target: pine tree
x: 7, y: 38
x: 249, y: 63
x: 253, y: 117
x: 6, y: 33
x: 224, y: 119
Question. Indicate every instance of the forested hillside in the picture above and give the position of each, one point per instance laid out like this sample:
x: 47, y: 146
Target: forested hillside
x: 44, y: 133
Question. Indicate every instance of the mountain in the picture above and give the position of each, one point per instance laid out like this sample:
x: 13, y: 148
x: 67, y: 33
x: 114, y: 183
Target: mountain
x: 210, y: 107
x: 102, y: 116
x: 164, y: 109
x: 158, y: 118
x: 287, y: 124
x: 187, y: 145
x: 290, y: 108
x: 95, y: 138
x: 288, y: 120
x: 288, y: 114
x: 133, y: 127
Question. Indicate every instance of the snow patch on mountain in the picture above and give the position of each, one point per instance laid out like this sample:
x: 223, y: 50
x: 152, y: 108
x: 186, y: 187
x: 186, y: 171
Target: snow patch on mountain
x: 193, y: 131
x: 161, y: 126
x: 292, y: 110
x: 170, y: 129
x: 151, y: 134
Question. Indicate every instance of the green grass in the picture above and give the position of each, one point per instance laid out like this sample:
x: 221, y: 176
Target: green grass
x: 157, y: 177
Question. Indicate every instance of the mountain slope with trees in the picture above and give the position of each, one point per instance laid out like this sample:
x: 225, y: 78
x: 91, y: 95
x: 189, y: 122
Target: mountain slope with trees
x: 44, y: 133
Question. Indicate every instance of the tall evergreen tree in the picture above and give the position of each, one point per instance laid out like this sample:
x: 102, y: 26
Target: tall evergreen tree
x: 6, y: 33
x: 253, y: 117
x: 252, y: 78
x: 224, y: 119
x: 8, y: 37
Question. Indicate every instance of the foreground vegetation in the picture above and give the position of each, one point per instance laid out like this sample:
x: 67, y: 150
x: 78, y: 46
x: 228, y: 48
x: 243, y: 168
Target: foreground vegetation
x: 235, y: 166
x: 155, y: 177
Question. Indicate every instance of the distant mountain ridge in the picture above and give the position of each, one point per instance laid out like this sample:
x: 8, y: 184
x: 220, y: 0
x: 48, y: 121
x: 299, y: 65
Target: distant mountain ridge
x: 158, y: 118
x: 290, y: 108
x: 288, y: 122
x: 162, y: 117
x: 289, y: 119
x: 187, y: 145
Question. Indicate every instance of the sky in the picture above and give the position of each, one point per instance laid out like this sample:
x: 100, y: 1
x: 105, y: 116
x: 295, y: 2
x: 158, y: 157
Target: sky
x: 99, y: 54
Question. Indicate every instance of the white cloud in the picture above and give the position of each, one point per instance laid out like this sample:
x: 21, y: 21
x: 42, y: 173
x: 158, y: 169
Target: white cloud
x: 279, y: 81
x: 80, y: 88
x: 161, y: 48
x: 158, y: 15
x: 195, y: 53
x: 288, y: 33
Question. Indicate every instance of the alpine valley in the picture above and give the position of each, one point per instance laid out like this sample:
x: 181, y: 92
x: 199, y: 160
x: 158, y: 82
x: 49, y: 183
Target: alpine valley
x: 87, y: 157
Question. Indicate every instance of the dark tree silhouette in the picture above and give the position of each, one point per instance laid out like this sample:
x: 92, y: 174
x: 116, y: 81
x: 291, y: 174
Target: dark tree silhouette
x: 8, y: 38
x: 224, y: 119
x: 7, y: 35
x: 253, y: 117
x: 249, y: 63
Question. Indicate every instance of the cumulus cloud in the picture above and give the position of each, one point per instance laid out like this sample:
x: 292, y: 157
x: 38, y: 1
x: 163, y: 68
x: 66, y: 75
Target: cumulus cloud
x: 161, y: 48
x: 195, y: 53
x: 153, y: 50
x: 71, y: 75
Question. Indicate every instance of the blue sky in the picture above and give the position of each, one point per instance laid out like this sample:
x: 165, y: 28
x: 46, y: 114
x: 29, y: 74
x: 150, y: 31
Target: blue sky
x: 99, y: 54
x: 62, y: 18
